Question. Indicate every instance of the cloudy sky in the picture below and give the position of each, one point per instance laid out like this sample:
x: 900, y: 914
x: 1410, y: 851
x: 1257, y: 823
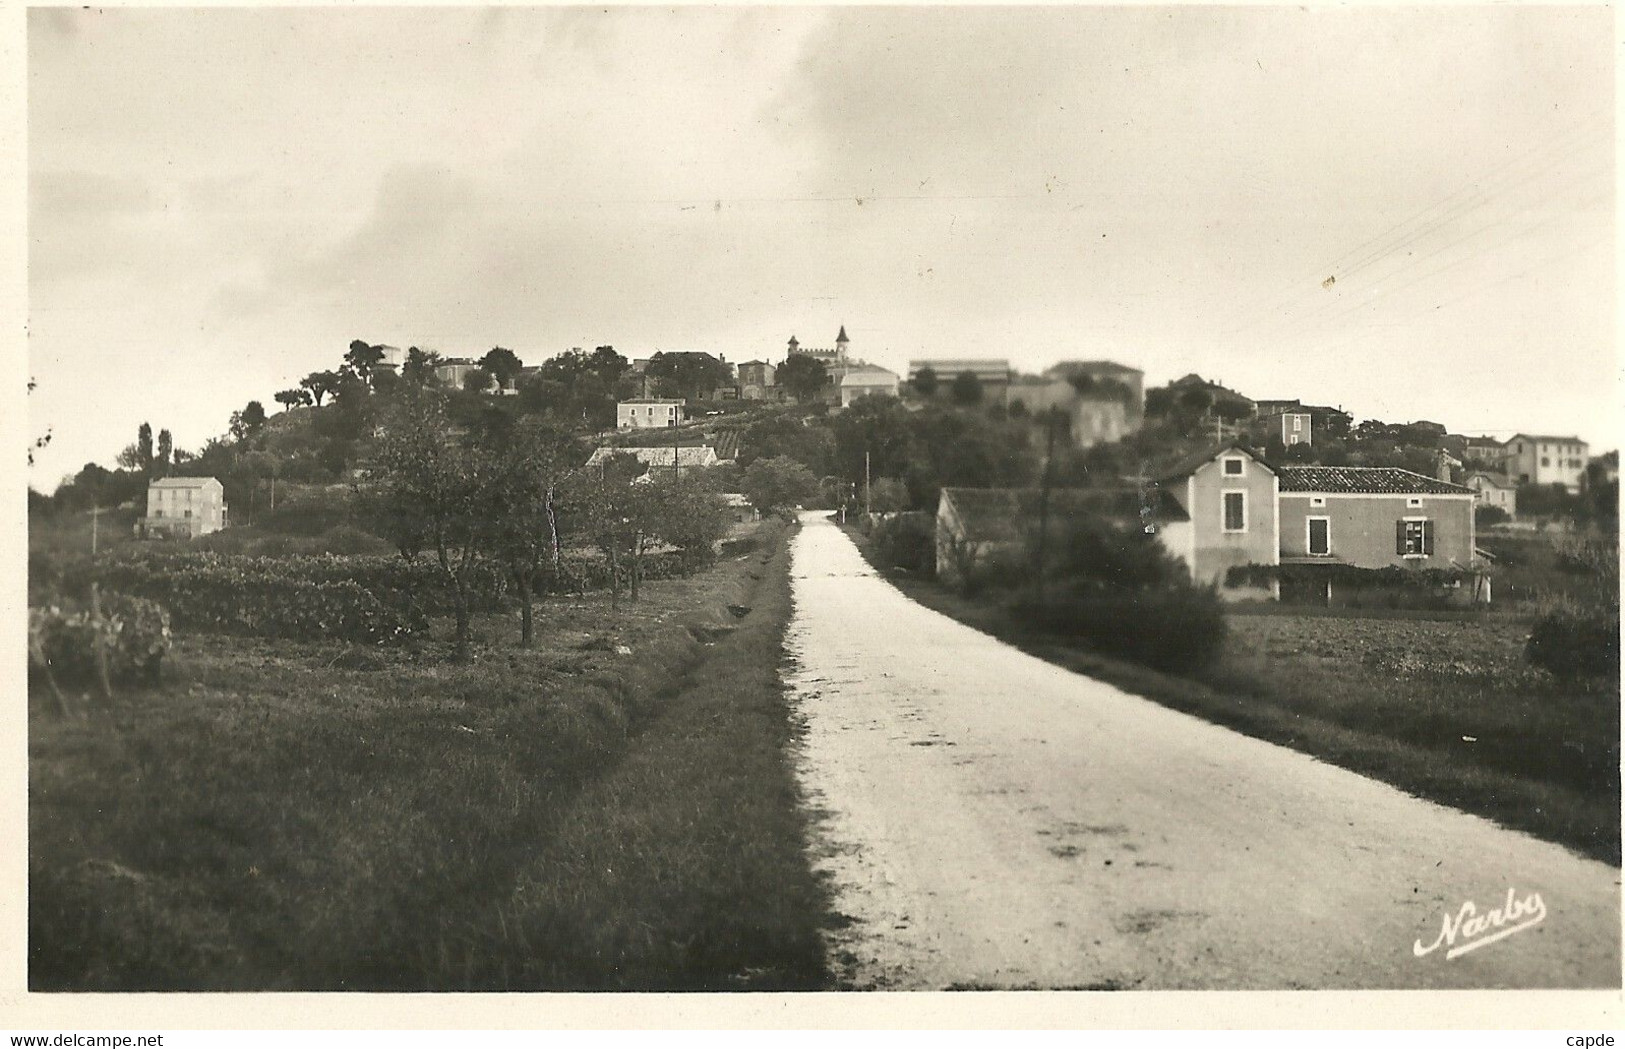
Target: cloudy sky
x: 220, y: 200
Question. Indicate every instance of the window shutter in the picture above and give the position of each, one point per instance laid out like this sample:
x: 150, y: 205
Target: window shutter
x: 1427, y: 537
x: 1399, y: 536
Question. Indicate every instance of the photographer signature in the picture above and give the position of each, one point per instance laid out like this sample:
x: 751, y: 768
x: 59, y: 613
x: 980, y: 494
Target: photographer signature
x: 1474, y: 930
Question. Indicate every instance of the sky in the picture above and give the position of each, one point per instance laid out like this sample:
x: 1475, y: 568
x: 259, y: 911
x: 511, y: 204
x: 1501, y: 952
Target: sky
x: 1408, y: 213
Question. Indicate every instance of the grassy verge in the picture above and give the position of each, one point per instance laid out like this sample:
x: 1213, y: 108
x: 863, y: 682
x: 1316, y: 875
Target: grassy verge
x: 1441, y: 708
x: 312, y: 816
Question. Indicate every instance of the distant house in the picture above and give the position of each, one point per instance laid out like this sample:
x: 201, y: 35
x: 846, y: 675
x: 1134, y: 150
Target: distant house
x: 993, y: 374
x: 739, y: 509
x: 1544, y: 459
x: 1229, y: 493
x: 1294, y: 422
x: 688, y: 458
x: 1093, y: 416
x: 1132, y: 379
x: 646, y: 412
x: 756, y: 381
x: 868, y: 382
x: 974, y: 524
x: 1491, y: 489
x: 183, y: 507
x: 453, y: 370
x: 1225, y: 400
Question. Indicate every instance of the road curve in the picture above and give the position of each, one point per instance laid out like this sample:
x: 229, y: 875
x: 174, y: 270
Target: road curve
x: 991, y: 820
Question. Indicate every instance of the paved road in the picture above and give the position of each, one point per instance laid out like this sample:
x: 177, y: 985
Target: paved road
x: 992, y: 820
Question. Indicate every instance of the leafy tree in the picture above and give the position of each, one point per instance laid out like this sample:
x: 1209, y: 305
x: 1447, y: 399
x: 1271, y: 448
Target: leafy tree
x: 802, y: 376
x: 38, y: 443
x: 166, y: 448
x: 477, y: 381
x: 1489, y: 516
x: 888, y: 494
x: 690, y: 375
x: 144, y: 446
x: 578, y: 387
x: 879, y: 426
x: 925, y: 382
x: 419, y: 366
x: 294, y: 398
x: 967, y: 389
x: 502, y: 364
x: 779, y: 483
x: 248, y: 423
x: 320, y: 384
x: 362, y: 358
x: 129, y: 458
x: 783, y: 434
x: 539, y: 460
x: 432, y: 487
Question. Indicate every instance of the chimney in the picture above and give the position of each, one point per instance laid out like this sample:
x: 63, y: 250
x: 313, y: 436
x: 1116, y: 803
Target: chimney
x: 1443, y: 470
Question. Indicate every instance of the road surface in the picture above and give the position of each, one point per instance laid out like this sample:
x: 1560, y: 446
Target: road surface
x: 991, y: 820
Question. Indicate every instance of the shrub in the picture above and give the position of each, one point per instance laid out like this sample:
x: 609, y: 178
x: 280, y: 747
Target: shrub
x: 1178, y: 629
x: 1575, y: 642
x: 134, y: 632
x: 907, y: 541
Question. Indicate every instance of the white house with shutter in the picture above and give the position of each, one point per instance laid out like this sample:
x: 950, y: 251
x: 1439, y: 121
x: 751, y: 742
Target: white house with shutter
x: 646, y: 412
x: 183, y: 507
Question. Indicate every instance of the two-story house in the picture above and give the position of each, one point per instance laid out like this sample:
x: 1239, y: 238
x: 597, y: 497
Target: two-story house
x: 1230, y: 496
x: 183, y: 507
x: 1545, y: 459
x: 646, y: 412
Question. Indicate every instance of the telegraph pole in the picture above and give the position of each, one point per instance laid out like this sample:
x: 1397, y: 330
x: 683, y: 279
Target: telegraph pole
x: 675, y: 475
x: 1043, y: 498
x: 867, y: 505
x: 95, y: 513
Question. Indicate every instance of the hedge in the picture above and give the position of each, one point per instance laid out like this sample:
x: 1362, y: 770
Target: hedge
x: 1390, y: 576
x: 133, y: 631
x: 1576, y: 643
x: 1178, y: 629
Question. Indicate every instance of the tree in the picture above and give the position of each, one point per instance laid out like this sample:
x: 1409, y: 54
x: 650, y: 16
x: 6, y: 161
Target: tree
x: 783, y: 434
x: 419, y: 366
x: 925, y: 381
x: 143, y: 442
x: 887, y: 494
x: 541, y: 459
x: 477, y: 381
x: 690, y: 375
x: 802, y: 376
x: 129, y: 458
x: 40, y: 442
x: 166, y: 447
x: 967, y: 389
x: 248, y: 423
x: 362, y: 359
x: 430, y: 486
x: 779, y: 483
x: 294, y: 398
x: 320, y: 384
x: 502, y: 365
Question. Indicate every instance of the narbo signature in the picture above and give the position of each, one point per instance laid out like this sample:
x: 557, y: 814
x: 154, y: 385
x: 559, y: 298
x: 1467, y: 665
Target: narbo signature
x: 1474, y: 930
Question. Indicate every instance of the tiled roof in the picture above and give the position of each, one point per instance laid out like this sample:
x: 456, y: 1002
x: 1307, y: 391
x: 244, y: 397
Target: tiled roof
x: 182, y: 482
x: 1546, y: 437
x: 997, y: 514
x: 1095, y: 366
x: 704, y: 455
x: 1364, y: 480
x: 869, y: 377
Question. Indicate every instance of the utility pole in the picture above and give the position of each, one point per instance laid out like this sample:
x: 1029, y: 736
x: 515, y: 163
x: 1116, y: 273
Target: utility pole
x: 1043, y: 499
x: 675, y: 475
x: 867, y: 506
x: 95, y: 513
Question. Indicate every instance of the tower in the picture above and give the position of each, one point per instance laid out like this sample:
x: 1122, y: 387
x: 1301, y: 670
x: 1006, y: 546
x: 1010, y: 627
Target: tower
x: 840, y: 344
x: 793, y: 345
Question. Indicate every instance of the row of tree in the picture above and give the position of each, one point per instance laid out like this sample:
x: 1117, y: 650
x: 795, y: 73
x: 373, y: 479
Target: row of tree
x: 519, y: 497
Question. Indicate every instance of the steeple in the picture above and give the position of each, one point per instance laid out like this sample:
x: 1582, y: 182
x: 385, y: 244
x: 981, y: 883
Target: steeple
x: 841, y: 339
x: 793, y: 344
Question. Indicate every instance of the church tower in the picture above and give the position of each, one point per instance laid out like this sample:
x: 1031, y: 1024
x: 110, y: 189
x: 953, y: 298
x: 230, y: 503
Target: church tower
x: 840, y: 345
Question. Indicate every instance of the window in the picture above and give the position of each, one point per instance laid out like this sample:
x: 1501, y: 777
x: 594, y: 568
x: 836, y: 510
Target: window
x: 1234, y: 466
x: 1293, y: 439
x: 188, y: 513
x: 1235, y: 511
x: 1413, y: 537
x: 1317, y: 500
x: 1320, y: 536
x: 1413, y: 503
x: 1545, y: 461
x: 1297, y: 424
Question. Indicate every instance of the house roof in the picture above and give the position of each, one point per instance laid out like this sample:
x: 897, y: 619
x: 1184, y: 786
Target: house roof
x: 702, y: 455
x: 1196, y: 460
x: 1545, y: 437
x: 1095, y: 366
x: 182, y: 482
x: 1364, y: 480
x: 1498, y: 480
x: 995, y: 514
x: 869, y: 377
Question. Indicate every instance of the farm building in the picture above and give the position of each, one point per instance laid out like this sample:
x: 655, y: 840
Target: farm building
x: 183, y: 507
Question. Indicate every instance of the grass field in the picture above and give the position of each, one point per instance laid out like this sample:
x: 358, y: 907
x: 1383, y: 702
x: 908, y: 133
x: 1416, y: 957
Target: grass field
x: 317, y: 816
x: 1442, y: 707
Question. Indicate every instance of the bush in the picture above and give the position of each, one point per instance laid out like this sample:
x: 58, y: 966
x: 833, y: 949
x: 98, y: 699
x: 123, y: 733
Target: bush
x: 1573, y: 642
x: 1179, y: 629
x: 134, y: 632
x: 907, y: 541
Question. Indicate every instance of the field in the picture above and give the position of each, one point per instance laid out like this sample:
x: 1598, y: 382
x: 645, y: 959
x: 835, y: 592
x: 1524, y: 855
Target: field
x: 611, y: 809
x: 1441, y: 706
